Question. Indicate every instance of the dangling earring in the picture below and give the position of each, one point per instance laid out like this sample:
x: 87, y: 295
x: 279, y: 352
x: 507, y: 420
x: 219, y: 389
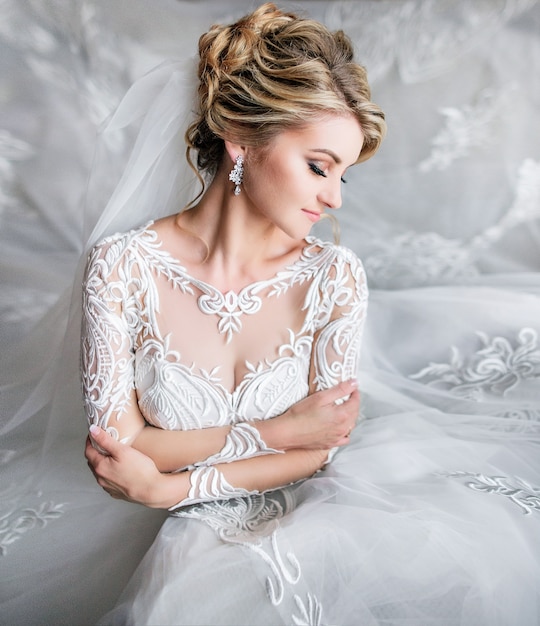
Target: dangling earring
x: 237, y: 174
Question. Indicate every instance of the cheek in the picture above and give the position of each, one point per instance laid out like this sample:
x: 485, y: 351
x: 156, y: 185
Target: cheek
x: 265, y: 183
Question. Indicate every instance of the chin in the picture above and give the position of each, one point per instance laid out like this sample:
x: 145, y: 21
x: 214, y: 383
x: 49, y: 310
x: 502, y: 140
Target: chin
x: 297, y: 234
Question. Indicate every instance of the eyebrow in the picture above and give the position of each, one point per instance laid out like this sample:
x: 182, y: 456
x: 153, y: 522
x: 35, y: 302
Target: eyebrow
x: 329, y: 152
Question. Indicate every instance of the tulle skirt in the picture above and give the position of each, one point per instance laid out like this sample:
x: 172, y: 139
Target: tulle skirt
x: 425, y: 518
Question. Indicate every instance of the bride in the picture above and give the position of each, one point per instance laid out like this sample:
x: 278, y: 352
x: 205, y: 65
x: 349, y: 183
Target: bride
x: 220, y: 347
x: 202, y: 325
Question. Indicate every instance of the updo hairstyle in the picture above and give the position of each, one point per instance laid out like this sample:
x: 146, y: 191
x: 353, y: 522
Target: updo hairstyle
x: 272, y: 71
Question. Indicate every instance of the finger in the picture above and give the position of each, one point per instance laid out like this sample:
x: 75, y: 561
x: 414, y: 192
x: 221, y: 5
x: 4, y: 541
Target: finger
x: 348, y: 407
x: 88, y: 447
x: 107, y: 444
x: 341, y: 391
x: 346, y: 439
x: 114, y: 493
x: 92, y: 455
x: 354, y: 398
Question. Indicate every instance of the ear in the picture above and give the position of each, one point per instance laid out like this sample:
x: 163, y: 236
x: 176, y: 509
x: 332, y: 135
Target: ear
x: 234, y: 149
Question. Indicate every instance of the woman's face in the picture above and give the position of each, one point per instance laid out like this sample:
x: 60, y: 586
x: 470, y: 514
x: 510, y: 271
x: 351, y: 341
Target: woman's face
x: 295, y: 179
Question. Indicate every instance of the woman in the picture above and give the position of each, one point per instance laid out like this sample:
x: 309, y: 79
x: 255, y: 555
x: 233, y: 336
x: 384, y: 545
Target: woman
x: 240, y: 254
x: 220, y: 347
x: 201, y: 326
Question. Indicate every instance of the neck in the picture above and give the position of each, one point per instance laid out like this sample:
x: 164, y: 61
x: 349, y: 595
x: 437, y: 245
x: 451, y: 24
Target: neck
x: 242, y: 244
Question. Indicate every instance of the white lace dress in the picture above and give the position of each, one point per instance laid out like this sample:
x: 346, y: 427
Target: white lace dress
x: 415, y: 521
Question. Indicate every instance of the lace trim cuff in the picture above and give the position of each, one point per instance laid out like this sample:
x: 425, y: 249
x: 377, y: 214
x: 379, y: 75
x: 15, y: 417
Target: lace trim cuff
x: 208, y: 483
x: 243, y: 442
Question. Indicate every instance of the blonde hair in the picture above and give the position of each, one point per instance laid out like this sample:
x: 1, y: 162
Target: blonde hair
x: 271, y: 71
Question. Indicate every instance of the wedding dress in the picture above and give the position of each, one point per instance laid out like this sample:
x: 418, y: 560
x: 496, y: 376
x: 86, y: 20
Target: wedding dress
x: 413, y: 521
x: 187, y: 337
x: 431, y: 515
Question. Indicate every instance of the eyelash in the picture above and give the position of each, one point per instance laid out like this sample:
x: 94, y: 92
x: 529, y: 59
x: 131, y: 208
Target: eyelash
x: 317, y: 170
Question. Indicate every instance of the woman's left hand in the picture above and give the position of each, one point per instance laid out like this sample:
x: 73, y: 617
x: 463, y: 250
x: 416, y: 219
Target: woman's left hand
x: 123, y: 472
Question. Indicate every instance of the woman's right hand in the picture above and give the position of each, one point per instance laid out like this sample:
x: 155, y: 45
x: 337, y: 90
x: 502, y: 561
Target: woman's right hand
x: 123, y: 472
x: 323, y: 420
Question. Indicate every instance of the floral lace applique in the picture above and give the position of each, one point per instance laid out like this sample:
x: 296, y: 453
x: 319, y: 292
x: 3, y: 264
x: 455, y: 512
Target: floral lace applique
x: 173, y: 395
x: 122, y: 335
x: 467, y: 127
x: 123, y: 350
x: 254, y: 524
x: 424, y: 37
x: 412, y: 258
x: 16, y: 523
x: 439, y: 32
x: 496, y: 368
x: 524, y: 415
x: 525, y: 208
x: 517, y: 490
x: 310, y: 615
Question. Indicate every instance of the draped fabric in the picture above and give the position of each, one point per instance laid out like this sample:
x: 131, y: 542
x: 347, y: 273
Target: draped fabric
x: 446, y: 220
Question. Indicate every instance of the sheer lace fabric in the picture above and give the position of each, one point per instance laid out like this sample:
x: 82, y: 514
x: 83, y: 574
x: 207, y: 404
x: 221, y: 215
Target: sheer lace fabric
x: 246, y: 355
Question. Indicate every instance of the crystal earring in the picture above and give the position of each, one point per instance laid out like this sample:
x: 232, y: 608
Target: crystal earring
x: 237, y: 174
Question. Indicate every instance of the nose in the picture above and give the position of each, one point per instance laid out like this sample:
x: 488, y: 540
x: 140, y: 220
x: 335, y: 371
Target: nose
x: 330, y: 195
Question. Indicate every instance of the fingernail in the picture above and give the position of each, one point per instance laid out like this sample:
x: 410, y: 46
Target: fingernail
x: 94, y: 430
x: 353, y: 382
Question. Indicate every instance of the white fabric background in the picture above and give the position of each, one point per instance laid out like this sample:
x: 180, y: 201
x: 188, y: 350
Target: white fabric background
x: 446, y: 219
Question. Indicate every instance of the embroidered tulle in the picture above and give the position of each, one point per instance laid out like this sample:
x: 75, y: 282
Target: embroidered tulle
x: 155, y: 335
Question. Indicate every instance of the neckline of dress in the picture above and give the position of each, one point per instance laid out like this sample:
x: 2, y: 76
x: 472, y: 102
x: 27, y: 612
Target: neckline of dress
x: 254, y: 286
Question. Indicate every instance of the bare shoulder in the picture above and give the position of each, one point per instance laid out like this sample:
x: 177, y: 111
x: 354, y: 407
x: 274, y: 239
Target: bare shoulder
x: 176, y: 238
x: 165, y: 225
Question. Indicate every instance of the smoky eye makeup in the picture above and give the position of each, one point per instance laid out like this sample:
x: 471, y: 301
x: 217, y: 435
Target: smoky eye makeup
x: 317, y: 170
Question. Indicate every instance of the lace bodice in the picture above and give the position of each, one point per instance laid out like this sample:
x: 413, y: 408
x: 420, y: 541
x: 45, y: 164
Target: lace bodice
x: 192, y: 357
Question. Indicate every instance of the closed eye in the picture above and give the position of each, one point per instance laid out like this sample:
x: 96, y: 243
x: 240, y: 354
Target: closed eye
x: 317, y: 170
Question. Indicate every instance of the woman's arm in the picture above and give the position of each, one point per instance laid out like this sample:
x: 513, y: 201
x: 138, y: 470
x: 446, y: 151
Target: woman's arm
x: 317, y: 423
x: 112, y: 319
x: 145, y: 484
x: 342, y: 301
x: 314, y: 423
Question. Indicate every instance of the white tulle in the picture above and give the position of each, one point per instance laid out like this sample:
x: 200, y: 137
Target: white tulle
x: 431, y: 515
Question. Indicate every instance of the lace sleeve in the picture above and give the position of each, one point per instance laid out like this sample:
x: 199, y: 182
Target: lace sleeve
x: 110, y: 323
x: 343, y: 302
